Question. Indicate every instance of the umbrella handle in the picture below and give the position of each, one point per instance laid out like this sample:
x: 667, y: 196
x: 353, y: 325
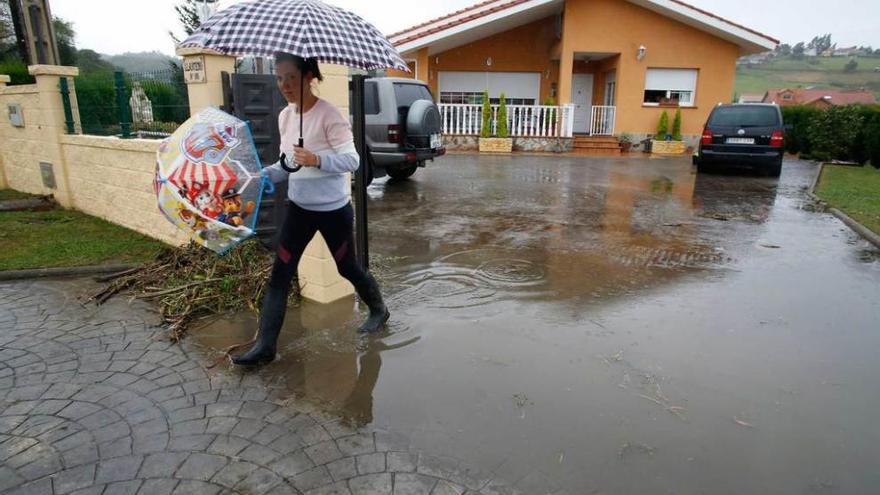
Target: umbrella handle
x: 285, y: 166
x: 268, y: 186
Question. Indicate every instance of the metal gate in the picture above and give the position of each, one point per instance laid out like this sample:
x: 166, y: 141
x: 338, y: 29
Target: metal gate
x: 255, y: 98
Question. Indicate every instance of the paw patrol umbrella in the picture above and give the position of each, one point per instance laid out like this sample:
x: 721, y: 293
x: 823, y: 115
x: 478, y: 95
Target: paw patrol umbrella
x: 208, y: 181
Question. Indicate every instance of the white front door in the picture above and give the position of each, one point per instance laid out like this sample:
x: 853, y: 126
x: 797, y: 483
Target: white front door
x: 582, y: 97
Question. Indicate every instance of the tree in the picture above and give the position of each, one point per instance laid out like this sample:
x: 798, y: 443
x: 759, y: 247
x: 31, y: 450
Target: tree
x: 64, y: 38
x: 191, y: 13
x: 821, y: 43
x: 663, y: 126
x: 502, y: 131
x: 91, y: 61
x: 798, y: 50
x: 676, y: 126
x: 784, y: 49
x: 486, y: 128
x: 851, y: 66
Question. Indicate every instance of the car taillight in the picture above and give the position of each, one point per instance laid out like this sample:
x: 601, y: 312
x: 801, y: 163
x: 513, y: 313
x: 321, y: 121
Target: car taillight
x: 394, y: 133
x: 707, y: 137
x: 777, y: 139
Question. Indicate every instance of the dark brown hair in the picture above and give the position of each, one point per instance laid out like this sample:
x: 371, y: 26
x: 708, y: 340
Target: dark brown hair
x: 305, y: 65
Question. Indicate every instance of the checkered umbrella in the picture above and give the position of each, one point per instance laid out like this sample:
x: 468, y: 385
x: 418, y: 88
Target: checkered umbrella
x: 306, y: 28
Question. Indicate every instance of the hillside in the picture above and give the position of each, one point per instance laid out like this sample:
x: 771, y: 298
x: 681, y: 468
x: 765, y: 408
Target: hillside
x: 140, y: 62
x: 812, y: 71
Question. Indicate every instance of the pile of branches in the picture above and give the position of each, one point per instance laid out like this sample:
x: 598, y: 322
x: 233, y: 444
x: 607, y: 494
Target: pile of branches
x: 191, y: 283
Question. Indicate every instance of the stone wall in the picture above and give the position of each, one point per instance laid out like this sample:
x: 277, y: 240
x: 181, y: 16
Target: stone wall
x: 112, y: 178
x: 22, y: 149
x: 534, y: 144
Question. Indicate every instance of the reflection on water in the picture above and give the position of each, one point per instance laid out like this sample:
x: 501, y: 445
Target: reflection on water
x: 612, y: 326
x: 321, y: 361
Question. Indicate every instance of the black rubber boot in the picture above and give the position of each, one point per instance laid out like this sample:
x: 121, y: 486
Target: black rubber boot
x: 271, y: 319
x: 370, y: 294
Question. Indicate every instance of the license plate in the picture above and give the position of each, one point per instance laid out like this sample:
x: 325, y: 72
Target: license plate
x: 435, y: 141
x: 740, y: 140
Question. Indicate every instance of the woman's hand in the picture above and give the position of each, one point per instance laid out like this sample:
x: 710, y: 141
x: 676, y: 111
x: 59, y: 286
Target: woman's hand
x: 304, y: 157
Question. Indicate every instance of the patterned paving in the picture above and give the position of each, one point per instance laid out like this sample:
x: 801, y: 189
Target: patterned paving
x: 95, y: 401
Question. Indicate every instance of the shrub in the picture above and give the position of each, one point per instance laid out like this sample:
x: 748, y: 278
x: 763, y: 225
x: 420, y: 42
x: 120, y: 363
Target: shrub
x: 17, y: 72
x: 834, y: 133
x: 851, y: 66
x: 676, y: 126
x: 486, y: 128
x: 502, y: 131
x: 663, y: 126
x: 870, y: 137
x: 96, y: 97
x: 799, y: 117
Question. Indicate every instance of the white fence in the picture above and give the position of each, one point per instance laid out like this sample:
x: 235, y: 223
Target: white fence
x: 602, y: 120
x: 522, y: 120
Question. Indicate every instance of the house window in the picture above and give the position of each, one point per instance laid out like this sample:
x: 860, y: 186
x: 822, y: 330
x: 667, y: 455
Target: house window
x: 473, y: 98
x: 786, y: 97
x: 670, y: 86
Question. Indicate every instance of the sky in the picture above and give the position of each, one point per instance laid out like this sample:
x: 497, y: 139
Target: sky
x: 118, y: 26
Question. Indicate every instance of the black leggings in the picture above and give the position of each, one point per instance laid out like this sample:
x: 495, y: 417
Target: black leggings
x: 299, y: 228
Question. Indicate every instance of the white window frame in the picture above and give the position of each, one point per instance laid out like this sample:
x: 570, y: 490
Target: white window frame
x: 683, y: 91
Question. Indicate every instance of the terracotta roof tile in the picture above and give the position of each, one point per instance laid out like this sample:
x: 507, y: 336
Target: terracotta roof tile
x: 513, y: 3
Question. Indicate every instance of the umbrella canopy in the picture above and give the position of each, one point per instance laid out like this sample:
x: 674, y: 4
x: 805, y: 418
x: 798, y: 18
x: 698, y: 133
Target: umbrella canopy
x: 306, y: 28
x: 207, y: 180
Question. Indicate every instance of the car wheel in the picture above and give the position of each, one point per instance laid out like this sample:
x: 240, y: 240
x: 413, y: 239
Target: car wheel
x: 402, y: 173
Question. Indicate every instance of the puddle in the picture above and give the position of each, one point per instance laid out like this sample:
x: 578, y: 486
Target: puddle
x: 597, y: 323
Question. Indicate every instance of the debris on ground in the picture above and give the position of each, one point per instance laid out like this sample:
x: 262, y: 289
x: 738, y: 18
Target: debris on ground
x: 770, y: 246
x: 628, y: 449
x: 191, y: 283
x: 742, y: 423
x: 38, y: 203
x: 521, y: 400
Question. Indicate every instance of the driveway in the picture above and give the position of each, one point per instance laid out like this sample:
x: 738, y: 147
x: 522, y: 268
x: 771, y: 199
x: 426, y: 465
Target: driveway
x: 559, y: 325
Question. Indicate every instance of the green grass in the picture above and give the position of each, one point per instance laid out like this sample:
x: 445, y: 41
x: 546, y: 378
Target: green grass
x: 855, y: 190
x: 62, y: 238
x: 7, y: 194
x: 822, y: 72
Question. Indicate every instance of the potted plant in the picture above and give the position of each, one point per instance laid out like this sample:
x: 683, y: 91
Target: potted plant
x: 626, y: 141
x: 666, y: 143
x: 502, y: 143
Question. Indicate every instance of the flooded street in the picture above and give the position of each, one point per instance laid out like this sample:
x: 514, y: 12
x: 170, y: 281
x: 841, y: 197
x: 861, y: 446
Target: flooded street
x: 607, y: 325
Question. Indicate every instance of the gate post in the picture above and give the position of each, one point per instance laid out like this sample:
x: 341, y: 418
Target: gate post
x: 202, y: 71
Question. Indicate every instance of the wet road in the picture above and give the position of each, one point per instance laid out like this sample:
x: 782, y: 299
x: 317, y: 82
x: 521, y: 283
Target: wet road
x: 608, y: 326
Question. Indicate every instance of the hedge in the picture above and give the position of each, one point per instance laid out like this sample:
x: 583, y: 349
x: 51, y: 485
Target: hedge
x: 850, y: 132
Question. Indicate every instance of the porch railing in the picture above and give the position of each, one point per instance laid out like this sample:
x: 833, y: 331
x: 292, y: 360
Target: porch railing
x: 522, y: 120
x: 602, y: 120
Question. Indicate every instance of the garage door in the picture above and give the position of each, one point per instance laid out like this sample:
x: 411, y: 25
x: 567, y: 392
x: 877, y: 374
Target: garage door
x: 522, y: 88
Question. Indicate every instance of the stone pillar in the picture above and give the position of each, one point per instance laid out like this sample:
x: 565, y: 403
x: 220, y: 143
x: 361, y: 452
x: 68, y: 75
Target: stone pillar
x: 51, y: 124
x: 204, y: 83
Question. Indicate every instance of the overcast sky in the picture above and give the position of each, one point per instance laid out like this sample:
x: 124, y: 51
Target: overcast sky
x: 117, y: 26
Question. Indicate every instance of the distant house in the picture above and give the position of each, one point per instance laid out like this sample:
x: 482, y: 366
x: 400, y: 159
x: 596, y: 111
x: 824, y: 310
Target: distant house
x: 818, y: 97
x: 846, y: 52
x: 751, y: 98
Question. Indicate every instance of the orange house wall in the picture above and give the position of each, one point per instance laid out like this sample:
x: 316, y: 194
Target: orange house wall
x: 617, y: 26
x: 602, y: 26
x: 525, y: 48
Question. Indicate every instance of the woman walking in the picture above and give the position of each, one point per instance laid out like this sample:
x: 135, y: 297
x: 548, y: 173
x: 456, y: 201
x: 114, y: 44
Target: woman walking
x: 320, y: 201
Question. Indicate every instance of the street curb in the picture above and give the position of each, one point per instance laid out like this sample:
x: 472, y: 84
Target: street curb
x: 858, y: 228
x: 64, y: 272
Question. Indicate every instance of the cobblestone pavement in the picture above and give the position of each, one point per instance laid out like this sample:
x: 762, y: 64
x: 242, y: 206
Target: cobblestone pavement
x: 96, y: 401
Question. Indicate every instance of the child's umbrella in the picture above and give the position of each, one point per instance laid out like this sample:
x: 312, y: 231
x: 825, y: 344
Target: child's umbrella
x: 208, y: 181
